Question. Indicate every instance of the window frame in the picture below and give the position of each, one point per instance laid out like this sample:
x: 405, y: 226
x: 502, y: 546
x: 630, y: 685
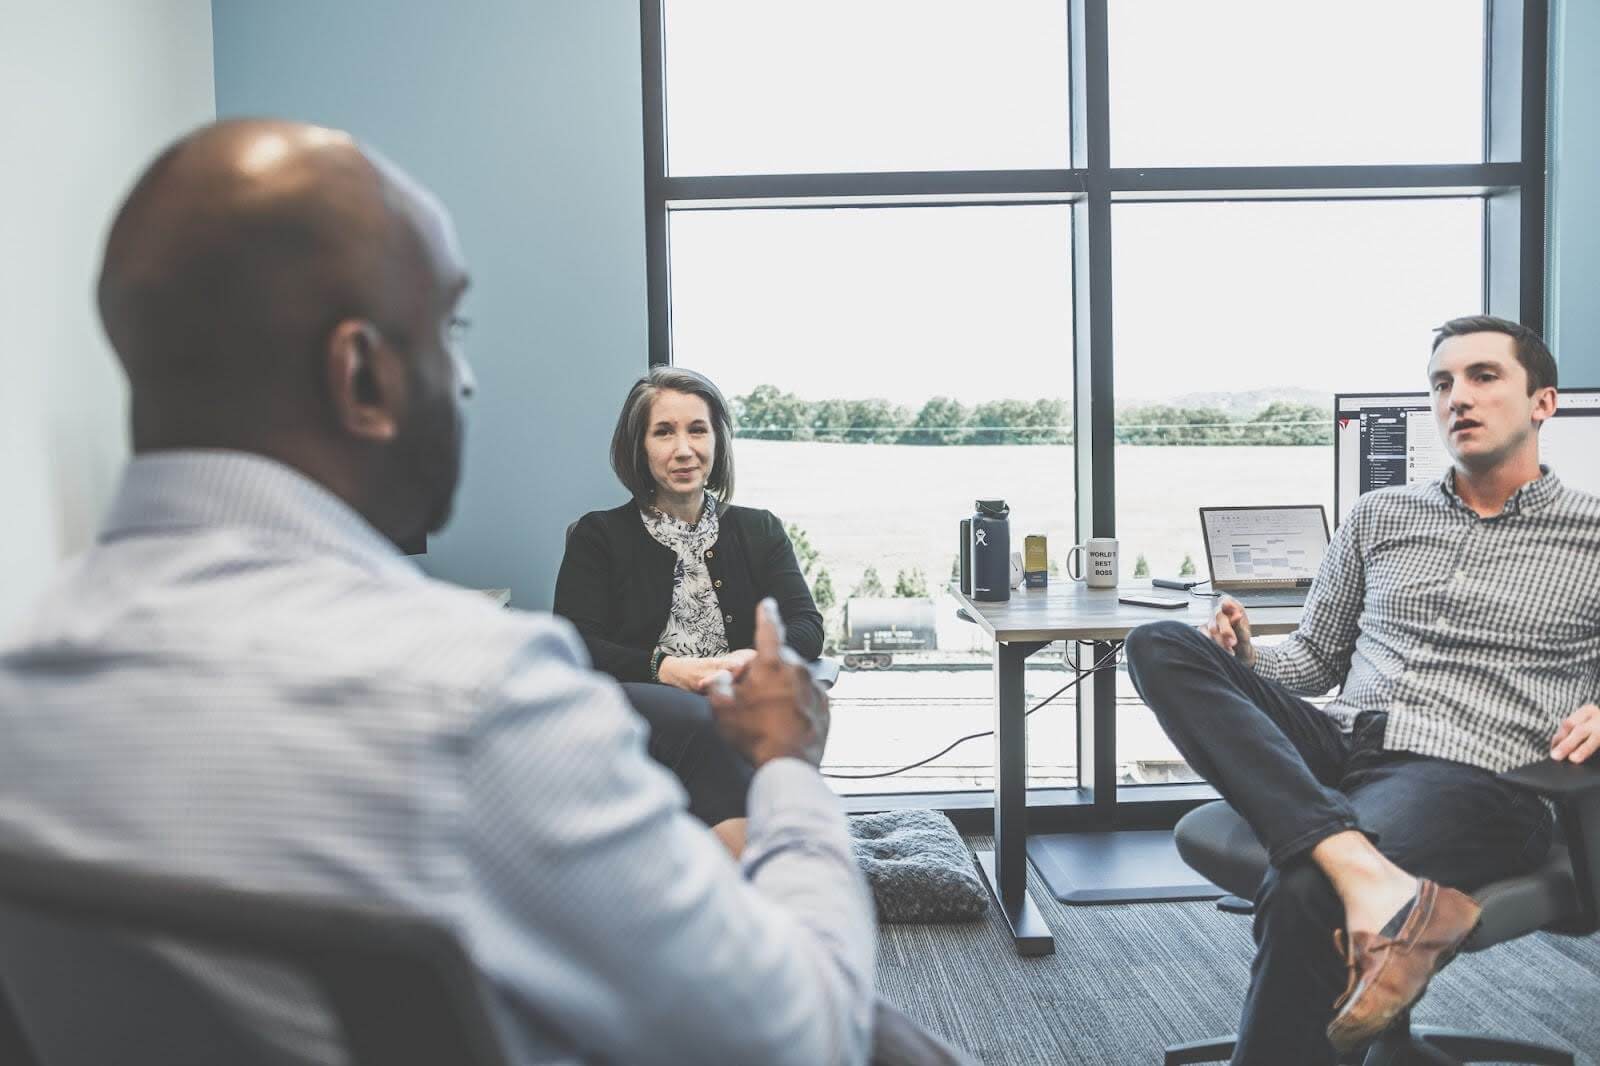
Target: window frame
x: 1511, y: 182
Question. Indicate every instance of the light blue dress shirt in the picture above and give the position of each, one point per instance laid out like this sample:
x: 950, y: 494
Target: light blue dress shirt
x: 243, y: 680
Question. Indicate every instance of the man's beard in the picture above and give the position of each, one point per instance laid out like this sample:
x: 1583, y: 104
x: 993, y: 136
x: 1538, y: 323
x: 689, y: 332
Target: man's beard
x: 427, y: 468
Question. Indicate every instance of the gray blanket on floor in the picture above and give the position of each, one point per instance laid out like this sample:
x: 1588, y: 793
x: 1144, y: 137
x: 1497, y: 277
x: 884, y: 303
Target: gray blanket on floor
x: 918, y: 866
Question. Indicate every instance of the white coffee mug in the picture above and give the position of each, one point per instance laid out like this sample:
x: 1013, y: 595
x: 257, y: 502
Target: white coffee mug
x: 1096, y: 562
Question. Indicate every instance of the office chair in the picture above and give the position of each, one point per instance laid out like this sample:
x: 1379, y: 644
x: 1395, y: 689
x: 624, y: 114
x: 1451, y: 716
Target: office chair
x: 1559, y: 897
x: 85, y: 987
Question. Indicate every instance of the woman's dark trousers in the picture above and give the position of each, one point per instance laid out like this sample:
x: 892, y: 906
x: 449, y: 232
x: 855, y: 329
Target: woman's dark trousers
x: 1290, y: 772
x: 684, y: 739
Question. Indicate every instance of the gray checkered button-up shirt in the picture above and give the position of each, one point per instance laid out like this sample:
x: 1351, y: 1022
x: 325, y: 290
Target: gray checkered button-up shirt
x: 1476, y: 635
x: 244, y: 681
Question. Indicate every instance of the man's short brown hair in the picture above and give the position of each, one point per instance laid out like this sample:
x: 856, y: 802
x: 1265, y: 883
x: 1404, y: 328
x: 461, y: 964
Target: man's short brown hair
x: 1531, y: 351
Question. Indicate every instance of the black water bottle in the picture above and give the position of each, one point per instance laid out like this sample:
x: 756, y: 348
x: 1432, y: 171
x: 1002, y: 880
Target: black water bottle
x: 991, y: 551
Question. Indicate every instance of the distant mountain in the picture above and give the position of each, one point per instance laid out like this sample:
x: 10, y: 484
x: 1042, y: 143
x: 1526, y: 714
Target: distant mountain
x: 1244, y: 404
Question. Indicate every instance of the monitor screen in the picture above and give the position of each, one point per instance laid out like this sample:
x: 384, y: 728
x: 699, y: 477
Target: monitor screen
x: 1382, y: 439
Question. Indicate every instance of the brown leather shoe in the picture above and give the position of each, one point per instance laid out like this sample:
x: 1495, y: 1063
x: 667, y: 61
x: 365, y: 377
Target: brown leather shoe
x: 1388, y: 975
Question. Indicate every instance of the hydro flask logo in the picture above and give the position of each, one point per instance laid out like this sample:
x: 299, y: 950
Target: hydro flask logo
x: 980, y: 535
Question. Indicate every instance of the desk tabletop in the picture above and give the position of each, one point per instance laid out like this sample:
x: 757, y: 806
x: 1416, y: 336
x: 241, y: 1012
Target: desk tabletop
x: 1069, y: 610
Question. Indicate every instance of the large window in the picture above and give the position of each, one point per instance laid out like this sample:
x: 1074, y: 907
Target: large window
x: 884, y: 365
x: 1235, y: 323
x: 1108, y: 260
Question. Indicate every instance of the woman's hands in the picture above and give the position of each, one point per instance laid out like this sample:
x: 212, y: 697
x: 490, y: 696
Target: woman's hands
x: 693, y: 675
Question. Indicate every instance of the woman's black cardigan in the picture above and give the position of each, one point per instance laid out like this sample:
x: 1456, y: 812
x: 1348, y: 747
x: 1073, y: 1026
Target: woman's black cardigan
x: 615, y: 585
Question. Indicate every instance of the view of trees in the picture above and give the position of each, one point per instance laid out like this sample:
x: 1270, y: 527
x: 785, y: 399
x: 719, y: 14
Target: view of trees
x: 816, y: 574
x: 870, y: 585
x: 811, y: 567
x: 768, y: 413
x: 912, y: 583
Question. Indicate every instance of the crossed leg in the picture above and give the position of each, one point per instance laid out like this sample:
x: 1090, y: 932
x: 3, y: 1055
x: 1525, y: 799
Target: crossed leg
x: 1349, y: 829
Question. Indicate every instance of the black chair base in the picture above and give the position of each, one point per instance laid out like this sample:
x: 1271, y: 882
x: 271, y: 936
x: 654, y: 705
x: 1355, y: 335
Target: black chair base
x: 1236, y: 905
x: 1219, y: 1049
x: 1428, y: 1044
x: 1404, y: 1045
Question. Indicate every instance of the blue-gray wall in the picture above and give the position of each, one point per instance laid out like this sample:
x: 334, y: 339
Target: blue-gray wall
x: 525, y: 119
x: 1575, y: 190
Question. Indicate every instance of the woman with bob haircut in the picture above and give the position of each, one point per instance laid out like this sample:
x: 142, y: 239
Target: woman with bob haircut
x: 664, y: 588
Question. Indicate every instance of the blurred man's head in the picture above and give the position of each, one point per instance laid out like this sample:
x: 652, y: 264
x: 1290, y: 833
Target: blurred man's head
x: 271, y: 287
x: 1493, y: 384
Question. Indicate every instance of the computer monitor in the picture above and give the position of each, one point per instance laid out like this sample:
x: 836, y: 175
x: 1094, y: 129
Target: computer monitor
x: 1389, y: 438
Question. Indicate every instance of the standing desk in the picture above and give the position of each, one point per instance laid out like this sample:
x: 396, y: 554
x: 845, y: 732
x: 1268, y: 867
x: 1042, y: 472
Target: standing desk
x: 1102, y: 865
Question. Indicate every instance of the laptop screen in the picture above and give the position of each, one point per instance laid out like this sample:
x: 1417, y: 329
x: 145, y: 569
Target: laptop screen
x: 1264, y: 547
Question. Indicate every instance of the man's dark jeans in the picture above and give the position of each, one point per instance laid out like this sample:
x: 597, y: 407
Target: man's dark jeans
x: 1296, y: 779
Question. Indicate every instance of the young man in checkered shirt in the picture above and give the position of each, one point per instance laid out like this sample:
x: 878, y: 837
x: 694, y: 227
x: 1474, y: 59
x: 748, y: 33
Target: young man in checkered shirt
x: 1461, y: 618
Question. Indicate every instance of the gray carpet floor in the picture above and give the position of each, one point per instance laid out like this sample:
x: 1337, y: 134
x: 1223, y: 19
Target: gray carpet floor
x: 1127, y: 980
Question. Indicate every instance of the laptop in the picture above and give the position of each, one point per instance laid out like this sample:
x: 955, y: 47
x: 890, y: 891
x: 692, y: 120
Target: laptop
x: 1264, y: 556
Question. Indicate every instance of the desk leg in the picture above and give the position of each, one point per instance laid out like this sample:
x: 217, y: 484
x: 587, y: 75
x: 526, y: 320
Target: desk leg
x: 1109, y: 865
x: 1006, y: 868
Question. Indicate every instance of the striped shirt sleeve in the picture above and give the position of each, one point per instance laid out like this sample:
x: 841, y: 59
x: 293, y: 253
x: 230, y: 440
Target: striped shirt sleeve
x: 603, y: 906
x: 1316, y: 656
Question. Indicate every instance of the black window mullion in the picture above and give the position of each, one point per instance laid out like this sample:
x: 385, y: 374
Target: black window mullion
x: 1082, y: 455
x: 1407, y: 178
x: 1535, y: 114
x: 973, y: 183
x: 1093, y: 394
x: 1096, y: 215
x: 658, y: 281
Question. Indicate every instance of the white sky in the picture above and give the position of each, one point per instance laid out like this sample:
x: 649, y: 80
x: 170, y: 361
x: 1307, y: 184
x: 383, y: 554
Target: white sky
x: 910, y: 303
x: 976, y: 302
x: 759, y: 86
x: 1226, y: 82
x: 901, y: 303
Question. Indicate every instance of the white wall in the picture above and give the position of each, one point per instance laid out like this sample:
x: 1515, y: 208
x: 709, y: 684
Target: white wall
x: 90, y: 90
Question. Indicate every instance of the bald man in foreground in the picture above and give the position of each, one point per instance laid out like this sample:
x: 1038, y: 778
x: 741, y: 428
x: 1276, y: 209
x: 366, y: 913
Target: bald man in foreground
x: 245, y: 680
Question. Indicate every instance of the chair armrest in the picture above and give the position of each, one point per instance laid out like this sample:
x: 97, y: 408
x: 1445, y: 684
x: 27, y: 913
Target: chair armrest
x: 1556, y: 780
x: 1575, y: 788
x: 824, y: 671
